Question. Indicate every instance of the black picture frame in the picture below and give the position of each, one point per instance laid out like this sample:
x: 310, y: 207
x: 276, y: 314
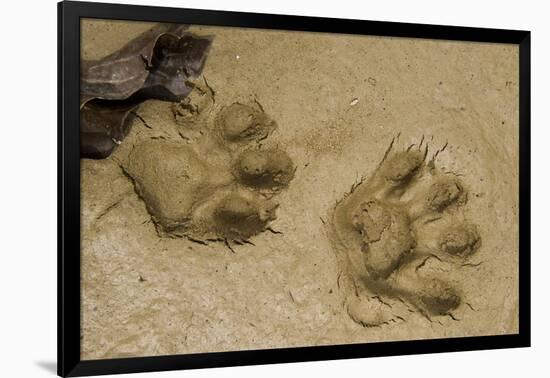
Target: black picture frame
x: 69, y: 15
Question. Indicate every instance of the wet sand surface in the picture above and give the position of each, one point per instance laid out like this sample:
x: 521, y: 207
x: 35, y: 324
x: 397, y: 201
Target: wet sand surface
x: 338, y: 101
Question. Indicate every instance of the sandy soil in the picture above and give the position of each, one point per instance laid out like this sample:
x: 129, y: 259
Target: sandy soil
x: 338, y: 101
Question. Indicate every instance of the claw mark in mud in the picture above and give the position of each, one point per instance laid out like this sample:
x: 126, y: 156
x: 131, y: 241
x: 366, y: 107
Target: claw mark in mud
x: 388, y: 228
x: 219, y: 182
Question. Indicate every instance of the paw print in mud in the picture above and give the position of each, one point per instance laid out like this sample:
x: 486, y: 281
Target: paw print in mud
x: 392, y: 228
x: 219, y: 181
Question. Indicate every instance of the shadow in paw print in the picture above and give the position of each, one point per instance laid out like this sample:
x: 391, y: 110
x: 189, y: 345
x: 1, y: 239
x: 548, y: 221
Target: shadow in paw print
x: 407, y: 214
x: 219, y: 181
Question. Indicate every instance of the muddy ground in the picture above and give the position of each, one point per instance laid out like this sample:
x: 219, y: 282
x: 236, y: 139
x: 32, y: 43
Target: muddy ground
x: 338, y: 100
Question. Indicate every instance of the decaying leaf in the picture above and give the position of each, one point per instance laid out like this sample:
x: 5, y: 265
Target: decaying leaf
x: 156, y: 64
x: 103, y: 126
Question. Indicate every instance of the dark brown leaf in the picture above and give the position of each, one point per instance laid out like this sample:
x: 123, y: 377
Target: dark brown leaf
x: 103, y: 126
x: 156, y: 64
x: 122, y: 73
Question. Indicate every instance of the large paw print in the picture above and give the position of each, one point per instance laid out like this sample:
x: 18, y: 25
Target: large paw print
x: 217, y: 182
x: 389, y: 227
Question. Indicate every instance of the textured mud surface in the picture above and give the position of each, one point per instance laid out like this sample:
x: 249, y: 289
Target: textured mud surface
x: 311, y: 189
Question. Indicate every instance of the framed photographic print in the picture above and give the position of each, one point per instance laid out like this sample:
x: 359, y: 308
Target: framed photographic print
x: 241, y: 188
